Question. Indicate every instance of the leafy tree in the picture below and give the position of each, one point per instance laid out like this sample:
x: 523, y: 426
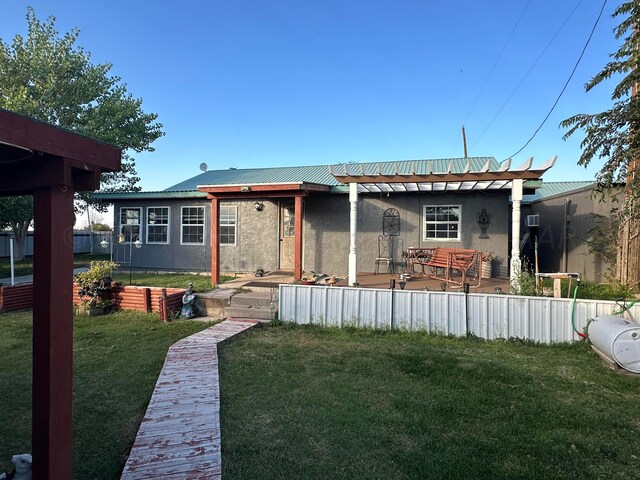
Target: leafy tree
x: 602, y: 238
x: 613, y: 136
x: 48, y: 77
x: 99, y: 227
x: 16, y: 213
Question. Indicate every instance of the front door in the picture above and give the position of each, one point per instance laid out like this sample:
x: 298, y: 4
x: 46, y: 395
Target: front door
x: 287, y: 230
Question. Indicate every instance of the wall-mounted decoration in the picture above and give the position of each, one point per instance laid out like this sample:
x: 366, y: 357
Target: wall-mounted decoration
x: 484, y: 220
x: 391, y: 222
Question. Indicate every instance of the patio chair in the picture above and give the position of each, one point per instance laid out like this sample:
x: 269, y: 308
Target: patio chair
x: 385, y: 253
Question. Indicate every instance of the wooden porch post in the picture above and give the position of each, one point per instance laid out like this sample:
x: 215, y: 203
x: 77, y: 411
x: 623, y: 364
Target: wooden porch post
x: 52, y: 393
x: 516, y: 264
x: 297, y: 241
x: 353, y: 230
x: 215, y: 240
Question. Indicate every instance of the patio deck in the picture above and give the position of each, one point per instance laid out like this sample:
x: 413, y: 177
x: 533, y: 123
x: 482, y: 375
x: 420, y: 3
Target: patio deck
x: 179, y: 436
x: 420, y: 282
x: 371, y: 280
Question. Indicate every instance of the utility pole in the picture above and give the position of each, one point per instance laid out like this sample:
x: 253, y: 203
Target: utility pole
x: 464, y: 141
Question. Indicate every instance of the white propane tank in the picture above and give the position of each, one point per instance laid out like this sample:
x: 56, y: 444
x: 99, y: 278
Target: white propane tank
x: 617, y: 338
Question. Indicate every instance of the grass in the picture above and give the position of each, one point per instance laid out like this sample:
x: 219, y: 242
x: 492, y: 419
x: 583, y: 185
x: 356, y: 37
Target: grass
x: 117, y: 359
x: 307, y: 402
x: 25, y: 267
x: 201, y: 283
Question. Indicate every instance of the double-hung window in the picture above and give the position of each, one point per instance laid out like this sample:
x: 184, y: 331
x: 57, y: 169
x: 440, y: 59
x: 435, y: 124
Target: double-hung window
x: 130, y: 220
x: 442, y: 222
x: 228, y: 222
x: 192, y: 226
x: 158, y: 224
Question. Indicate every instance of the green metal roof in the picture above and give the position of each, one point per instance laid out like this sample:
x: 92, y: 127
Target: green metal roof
x: 553, y: 189
x: 320, y: 174
x: 148, y: 195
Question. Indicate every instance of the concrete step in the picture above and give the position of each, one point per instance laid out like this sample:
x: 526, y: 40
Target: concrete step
x: 257, y: 313
x: 213, y: 303
x: 254, y: 299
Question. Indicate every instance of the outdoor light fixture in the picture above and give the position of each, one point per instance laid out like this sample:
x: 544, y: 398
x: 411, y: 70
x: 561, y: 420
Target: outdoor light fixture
x: 106, y: 244
x: 402, y: 284
x: 138, y: 244
x: 443, y: 286
x: 258, y: 206
x: 498, y: 290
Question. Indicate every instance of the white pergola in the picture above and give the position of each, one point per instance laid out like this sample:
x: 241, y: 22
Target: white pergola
x: 361, y: 180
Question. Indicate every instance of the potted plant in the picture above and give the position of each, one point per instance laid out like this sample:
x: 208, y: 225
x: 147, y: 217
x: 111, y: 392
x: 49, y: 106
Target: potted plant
x: 485, y: 264
x: 95, y: 286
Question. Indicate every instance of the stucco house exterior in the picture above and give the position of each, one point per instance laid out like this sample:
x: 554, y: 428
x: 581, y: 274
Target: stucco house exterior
x: 324, y: 218
x: 566, y: 213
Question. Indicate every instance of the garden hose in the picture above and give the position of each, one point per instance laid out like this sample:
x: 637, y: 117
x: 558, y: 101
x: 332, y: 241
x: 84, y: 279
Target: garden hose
x: 573, y: 311
x: 625, y: 308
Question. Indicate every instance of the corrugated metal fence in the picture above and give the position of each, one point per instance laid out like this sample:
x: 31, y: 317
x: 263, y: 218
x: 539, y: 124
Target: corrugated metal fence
x: 81, y: 242
x: 541, y: 319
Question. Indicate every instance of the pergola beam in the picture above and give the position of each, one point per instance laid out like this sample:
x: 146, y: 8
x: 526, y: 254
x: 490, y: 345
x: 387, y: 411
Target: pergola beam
x: 441, y: 177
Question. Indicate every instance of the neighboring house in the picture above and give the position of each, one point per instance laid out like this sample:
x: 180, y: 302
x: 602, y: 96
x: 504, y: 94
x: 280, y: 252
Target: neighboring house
x: 323, y: 218
x: 566, y: 214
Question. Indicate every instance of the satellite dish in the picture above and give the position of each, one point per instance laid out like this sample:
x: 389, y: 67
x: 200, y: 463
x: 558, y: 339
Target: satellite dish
x: 203, y: 167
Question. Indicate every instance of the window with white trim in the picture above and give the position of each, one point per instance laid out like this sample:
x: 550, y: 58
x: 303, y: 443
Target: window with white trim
x: 192, y: 225
x: 158, y: 224
x: 228, y: 222
x: 130, y: 220
x: 442, y: 222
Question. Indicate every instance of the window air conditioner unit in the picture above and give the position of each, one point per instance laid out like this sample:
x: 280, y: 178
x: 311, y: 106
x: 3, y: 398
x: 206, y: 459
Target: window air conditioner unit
x: 533, y: 220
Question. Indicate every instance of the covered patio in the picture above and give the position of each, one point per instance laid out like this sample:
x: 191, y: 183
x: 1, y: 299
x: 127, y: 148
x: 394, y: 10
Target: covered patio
x: 427, y: 180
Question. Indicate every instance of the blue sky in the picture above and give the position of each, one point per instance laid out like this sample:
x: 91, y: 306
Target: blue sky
x: 244, y: 84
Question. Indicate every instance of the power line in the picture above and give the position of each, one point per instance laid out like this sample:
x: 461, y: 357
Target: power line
x: 495, y: 64
x: 604, y: 3
x: 544, y: 50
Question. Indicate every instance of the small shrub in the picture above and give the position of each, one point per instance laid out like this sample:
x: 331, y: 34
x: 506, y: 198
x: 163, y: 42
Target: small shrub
x: 95, y: 284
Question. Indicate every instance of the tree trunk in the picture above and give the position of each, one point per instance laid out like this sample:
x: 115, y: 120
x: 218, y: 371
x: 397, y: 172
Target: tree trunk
x: 628, y: 258
x: 20, y: 230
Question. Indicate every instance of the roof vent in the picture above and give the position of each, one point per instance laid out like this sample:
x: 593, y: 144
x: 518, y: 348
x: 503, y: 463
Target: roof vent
x: 533, y: 220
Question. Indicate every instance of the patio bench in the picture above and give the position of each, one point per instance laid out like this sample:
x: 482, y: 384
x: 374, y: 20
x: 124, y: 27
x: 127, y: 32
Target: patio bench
x: 444, y: 260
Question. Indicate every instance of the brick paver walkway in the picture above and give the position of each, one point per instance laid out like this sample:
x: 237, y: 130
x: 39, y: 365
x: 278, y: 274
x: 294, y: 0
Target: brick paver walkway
x: 179, y: 436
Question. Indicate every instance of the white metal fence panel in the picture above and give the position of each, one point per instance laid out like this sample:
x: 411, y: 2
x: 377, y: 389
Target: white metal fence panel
x: 490, y: 316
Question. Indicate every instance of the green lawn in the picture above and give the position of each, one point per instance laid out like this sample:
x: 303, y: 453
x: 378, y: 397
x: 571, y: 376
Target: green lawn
x: 307, y: 402
x: 117, y: 361
x: 201, y: 283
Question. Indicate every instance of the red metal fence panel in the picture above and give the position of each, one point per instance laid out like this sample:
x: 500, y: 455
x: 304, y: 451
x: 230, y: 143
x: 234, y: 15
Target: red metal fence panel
x: 141, y: 299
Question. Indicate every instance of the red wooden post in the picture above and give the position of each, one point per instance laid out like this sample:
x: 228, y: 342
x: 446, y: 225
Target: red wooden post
x: 147, y: 299
x: 215, y: 240
x: 52, y: 394
x: 297, y: 240
x: 164, y: 308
